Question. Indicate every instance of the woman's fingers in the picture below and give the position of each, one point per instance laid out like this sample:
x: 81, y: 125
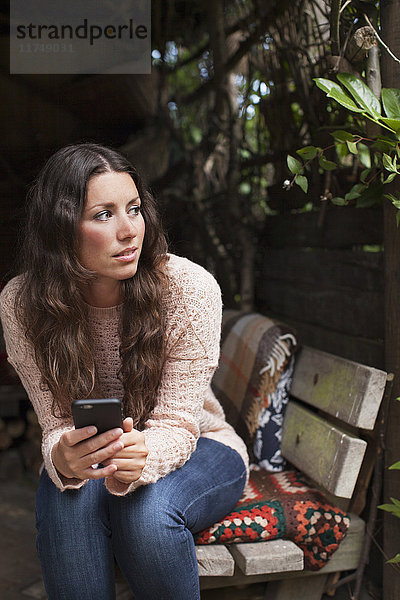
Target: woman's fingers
x: 121, y: 453
x: 134, y: 438
x: 126, y: 476
x: 101, y: 455
x: 77, y: 450
x: 99, y: 473
x: 131, y: 460
x: 127, y: 424
x: 127, y: 464
x: 74, y: 436
x: 93, y: 444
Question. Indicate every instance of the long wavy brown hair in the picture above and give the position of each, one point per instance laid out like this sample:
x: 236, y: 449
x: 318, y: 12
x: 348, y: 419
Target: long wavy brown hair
x: 50, y: 303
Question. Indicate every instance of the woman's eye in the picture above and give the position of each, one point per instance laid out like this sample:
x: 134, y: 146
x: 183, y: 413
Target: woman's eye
x: 134, y: 210
x: 103, y: 215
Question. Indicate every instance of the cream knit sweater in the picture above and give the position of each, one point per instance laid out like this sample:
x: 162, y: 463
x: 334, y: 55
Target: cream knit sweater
x: 186, y: 407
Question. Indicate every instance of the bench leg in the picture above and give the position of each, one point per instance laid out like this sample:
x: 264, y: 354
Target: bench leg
x: 298, y: 588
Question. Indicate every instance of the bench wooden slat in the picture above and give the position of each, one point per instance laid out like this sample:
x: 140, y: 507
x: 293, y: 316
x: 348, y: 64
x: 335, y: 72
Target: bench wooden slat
x: 214, y: 561
x: 346, y: 557
x: 275, y: 556
x: 322, y: 451
x: 345, y: 389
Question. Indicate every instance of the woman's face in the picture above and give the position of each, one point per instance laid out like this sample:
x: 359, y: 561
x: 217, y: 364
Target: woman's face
x: 111, y: 230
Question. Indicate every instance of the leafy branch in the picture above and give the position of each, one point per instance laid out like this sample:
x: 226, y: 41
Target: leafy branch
x: 379, y: 156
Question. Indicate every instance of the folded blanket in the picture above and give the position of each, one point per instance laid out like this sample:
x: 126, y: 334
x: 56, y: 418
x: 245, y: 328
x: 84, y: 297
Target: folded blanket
x: 252, y: 381
x: 282, y: 505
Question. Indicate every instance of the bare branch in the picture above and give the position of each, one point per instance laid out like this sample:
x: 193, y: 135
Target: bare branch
x: 381, y: 40
x: 345, y: 4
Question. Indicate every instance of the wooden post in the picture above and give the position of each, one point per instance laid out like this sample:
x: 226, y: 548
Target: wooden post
x: 390, y: 10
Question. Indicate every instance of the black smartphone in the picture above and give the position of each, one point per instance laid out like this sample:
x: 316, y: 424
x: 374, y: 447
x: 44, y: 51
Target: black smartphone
x: 104, y: 413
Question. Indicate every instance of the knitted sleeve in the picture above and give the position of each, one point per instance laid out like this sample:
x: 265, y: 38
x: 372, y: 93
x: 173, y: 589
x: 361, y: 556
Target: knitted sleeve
x: 193, y: 351
x: 21, y: 356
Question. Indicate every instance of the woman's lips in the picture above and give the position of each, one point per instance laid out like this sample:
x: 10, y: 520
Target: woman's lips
x: 126, y: 255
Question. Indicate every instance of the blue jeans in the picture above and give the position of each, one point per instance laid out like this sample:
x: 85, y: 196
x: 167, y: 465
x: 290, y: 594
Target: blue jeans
x: 148, y: 532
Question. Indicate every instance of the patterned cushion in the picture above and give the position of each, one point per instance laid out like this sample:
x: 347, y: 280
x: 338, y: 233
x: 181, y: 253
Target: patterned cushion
x: 252, y: 381
x: 282, y: 505
x: 267, y: 442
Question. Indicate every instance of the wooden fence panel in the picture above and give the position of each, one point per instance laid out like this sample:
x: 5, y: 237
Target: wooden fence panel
x: 353, y: 269
x: 340, y: 228
x: 349, y: 311
x: 313, y: 273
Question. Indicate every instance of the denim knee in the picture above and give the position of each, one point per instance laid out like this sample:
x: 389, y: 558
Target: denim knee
x: 146, y: 518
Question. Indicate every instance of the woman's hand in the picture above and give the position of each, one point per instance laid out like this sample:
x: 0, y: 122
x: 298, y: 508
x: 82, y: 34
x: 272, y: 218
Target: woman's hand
x: 79, y: 449
x: 130, y: 461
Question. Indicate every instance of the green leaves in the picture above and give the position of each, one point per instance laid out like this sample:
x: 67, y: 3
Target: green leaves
x: 362, y: 94
x: 294, y: 165
x: 362, y: 100
x: 308, y: 152
x: 391, y: 102
x: 352, y: 147
x: 389, y: 178
x: 394, y: 200
x: 379, y: 157
x: 364, y: 155
x: 325, y: 164
x: 396, y: 203
x: 392, y: 123
x: 302, y: 182
x: 343, y: 136
x: 355, y: 192
x: 333, y: 90
x: 395, y: 559
x: 394, y: 508
x: 390, y: 163
x: 339, y: 201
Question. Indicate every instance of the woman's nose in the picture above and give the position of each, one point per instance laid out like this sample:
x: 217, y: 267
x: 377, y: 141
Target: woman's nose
x: 126, y: 228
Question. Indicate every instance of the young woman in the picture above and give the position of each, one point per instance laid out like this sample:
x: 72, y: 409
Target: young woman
x: 100, y: 310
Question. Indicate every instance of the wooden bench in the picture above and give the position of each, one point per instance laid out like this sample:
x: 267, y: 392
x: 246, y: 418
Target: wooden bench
x: 327, y: 429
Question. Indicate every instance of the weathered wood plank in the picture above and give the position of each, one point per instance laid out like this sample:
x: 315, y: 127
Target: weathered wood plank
x: 341, y: 228
x: 214, y: 561
x: 299, y: 588
x: 343, y: 269
x: 275, y: 556
x: 358, y: 348
x: 322, y: 451
x: 345, y: 389
x: 349, y: 311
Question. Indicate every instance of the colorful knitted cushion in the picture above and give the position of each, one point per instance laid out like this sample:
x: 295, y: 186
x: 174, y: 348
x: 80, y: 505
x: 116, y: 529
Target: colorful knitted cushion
x: 282, y: 505
x: 252, y: 381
